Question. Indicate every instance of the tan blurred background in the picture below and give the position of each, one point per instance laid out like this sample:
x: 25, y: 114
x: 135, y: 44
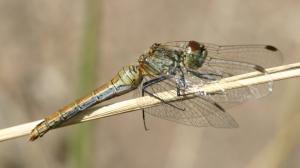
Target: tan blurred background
x: 43, y: 45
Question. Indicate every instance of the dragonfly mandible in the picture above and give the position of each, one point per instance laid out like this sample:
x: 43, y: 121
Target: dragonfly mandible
x: 178, y: 65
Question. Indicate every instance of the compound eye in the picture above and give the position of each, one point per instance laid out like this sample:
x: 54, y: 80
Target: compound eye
x: 194, y: 46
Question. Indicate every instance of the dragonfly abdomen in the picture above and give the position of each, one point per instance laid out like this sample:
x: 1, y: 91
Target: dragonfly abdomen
x: 126, y: 80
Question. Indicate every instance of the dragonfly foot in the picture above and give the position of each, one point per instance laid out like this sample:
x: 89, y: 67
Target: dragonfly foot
x: 144, y: 120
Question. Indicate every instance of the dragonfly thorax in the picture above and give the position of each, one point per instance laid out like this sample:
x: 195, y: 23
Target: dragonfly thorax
x: 160, y: 59
x: 169, y: 58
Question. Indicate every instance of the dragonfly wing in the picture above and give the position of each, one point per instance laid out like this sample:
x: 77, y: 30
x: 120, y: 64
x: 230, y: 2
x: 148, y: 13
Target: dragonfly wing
x: 198, y: 111
x: 230, y: 97
x: 259, y: 54
x: 263, y: 55
x: 227, y: 61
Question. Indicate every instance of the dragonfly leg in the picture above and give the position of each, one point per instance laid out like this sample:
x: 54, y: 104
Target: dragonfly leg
x: 206, y: 75
x: 162, y: 100
x: 144, y: 120
x: 149, y: 83
x: 181, y: 84
x: 144, y: 85
x: 178, y: 91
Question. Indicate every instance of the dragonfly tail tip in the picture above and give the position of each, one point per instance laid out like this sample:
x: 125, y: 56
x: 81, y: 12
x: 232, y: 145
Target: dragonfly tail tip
x: 33, y: 135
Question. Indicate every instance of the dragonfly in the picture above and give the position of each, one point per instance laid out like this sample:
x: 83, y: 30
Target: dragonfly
x: 179, y: 65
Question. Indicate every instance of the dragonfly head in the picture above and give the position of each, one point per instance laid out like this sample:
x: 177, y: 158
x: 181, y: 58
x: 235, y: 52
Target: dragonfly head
x: 195, y: 55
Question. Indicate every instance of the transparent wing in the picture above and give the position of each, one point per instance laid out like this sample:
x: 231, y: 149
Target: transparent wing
x: 262, y: 55
x: 229, y: 98
x: 226, y: 61
x: 258, y: 54
x: 198, y: 111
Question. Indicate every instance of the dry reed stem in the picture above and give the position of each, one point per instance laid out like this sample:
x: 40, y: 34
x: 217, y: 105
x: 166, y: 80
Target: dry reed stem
x: 252, y: 78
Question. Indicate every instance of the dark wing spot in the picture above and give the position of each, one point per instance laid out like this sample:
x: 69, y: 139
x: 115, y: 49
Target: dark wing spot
x: 194, y: 45
x: 219, y: 107
x: 271, y: 48
x: 260, y: 68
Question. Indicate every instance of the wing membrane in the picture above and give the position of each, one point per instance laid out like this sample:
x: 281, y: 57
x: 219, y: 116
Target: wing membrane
x: 198, y: 111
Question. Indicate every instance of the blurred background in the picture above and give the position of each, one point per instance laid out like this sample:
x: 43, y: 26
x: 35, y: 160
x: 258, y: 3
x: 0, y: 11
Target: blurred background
x: 52, y: 52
